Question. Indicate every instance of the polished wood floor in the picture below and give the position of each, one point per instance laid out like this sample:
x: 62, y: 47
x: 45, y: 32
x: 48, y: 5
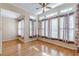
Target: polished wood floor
x: 34, y: 48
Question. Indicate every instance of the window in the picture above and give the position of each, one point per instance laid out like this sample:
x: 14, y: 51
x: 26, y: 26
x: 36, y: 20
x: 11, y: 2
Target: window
x: 21, y: 28
x: 61, y: 27
x: 54, y: 28
x: 34, y: 33
x: 71, y: 27
x: 42, y: 28
x: 67, y: 10
x: 31, y: 28
x: 46, y: 28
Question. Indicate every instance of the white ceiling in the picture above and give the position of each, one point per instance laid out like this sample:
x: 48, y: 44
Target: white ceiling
x: 31, y: 7
x: 60, y: 8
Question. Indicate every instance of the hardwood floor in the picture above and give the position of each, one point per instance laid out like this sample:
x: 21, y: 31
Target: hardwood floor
x: 34, y: 48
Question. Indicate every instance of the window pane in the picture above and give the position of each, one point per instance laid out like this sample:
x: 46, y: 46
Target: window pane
x: 54, y: 28
x: 71, y: 35
x: 21, y: 28
x: 71, y: 21
x: 61, y: 27
x: 46, y: 28
x: 34, y: 29
x: 71, y: 27
x: 30, y: 28
x: 42, y: 28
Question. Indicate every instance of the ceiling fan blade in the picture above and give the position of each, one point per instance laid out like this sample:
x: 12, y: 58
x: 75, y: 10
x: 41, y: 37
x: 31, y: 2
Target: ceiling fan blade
x: 47, y: 4
x: 49, y: 7
x: 41, y: 4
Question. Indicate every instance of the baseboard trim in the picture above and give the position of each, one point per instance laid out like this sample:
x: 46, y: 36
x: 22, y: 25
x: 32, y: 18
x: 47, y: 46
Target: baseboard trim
x: 9, y: 40
x: 30, y: 39
x: 61, y: 44
x: 0, y: 52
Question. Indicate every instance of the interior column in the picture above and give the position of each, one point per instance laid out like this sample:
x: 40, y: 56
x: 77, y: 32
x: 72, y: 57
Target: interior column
x: 26, y: 28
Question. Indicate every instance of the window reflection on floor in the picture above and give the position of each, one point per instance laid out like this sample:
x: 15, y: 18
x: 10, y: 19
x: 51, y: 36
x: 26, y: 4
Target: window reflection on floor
x: 34, y: 48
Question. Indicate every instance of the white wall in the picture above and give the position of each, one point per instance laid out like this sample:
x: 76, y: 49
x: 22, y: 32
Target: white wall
x: 9, y: 28
x: 22, y: 12
x: 0, y: 33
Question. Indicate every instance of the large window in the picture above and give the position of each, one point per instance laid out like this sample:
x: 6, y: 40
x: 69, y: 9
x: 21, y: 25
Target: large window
x: 31, y: 28
x: 54, y: 28
x: 42, y: 28
x: 61, y: 27
x: 34, y: 27
x: 71, y: 27
x: 64, y: 23
x: 21, y: 28
x: 46, y: 28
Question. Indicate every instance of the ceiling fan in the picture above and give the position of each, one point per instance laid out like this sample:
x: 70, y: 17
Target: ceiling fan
x: 44, y: 6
